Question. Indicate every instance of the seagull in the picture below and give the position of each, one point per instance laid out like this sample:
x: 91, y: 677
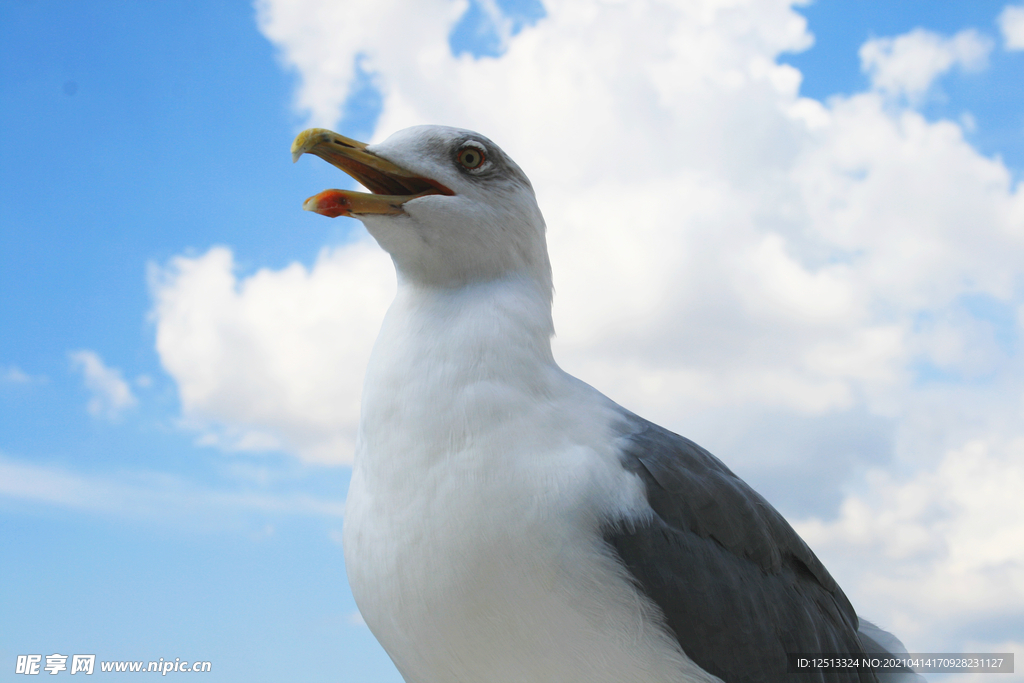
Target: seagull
x: 508, y: 523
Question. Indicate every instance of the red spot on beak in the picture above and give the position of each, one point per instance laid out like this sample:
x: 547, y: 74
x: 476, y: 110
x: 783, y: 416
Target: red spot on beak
x: 330, y: 203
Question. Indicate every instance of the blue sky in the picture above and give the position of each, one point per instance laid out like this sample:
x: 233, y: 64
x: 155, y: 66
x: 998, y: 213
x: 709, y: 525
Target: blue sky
x: 133, y: 133
x: 831, y: 66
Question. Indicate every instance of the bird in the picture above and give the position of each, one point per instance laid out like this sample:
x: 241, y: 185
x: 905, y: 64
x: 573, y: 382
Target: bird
x: 507, y: 522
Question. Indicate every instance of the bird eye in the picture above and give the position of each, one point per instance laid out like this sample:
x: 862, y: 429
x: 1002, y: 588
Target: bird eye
x: 471, y: 158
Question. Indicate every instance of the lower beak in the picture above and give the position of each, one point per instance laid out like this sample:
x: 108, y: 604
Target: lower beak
x: 334, y: 203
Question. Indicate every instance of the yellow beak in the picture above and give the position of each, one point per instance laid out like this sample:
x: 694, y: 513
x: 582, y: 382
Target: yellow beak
x: 390, y: 184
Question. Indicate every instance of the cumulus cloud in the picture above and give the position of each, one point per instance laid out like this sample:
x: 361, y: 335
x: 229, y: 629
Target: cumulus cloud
x: 110, y: 394
x: 322, y: 46
x: 814, y: 290
x: 1011, y: 23
x: 274, y: 361
x: 907, y: 65
x: 948, y: 537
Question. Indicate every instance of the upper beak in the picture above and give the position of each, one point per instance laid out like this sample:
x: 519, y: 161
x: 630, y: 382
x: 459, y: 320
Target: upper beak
x: 391, y: 185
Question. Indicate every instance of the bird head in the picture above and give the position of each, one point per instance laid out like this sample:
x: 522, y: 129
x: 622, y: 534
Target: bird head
x: 448, y: 204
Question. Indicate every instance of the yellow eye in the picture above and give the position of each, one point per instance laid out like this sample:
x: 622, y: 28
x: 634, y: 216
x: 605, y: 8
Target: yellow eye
x: 471, y: 158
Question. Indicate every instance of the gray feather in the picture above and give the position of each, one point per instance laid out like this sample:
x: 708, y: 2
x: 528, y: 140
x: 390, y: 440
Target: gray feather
x: 738, y: 588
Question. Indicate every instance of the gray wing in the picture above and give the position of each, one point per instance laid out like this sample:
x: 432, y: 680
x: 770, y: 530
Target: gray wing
x: 737, y: 586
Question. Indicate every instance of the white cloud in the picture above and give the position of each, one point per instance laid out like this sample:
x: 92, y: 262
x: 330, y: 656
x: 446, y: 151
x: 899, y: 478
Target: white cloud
x: 731, y: 260
x: 150, y: 495
x: 323, y: 45
x: 111, y: 395
x: 1011, y: 23
x: 12, y: 374
x: 909, y: 64
x: 274, y: 361
x: 945, y: 543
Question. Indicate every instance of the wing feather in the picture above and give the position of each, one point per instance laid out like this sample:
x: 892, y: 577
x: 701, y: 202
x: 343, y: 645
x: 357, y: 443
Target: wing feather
x: 736, y: 584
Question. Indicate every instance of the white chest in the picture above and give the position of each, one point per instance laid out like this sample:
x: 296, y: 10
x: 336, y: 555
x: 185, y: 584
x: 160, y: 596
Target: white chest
x: 470, y: 580
x: 472, y: 526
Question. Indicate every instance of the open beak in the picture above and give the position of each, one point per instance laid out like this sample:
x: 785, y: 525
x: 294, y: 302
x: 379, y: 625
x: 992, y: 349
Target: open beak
x: 391, y: 185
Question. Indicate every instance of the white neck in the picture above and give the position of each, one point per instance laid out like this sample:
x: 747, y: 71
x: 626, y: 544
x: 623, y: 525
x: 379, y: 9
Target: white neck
x: 450, y: 362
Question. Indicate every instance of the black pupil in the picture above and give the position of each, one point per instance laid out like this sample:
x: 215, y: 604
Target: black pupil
x: 470, y: 158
